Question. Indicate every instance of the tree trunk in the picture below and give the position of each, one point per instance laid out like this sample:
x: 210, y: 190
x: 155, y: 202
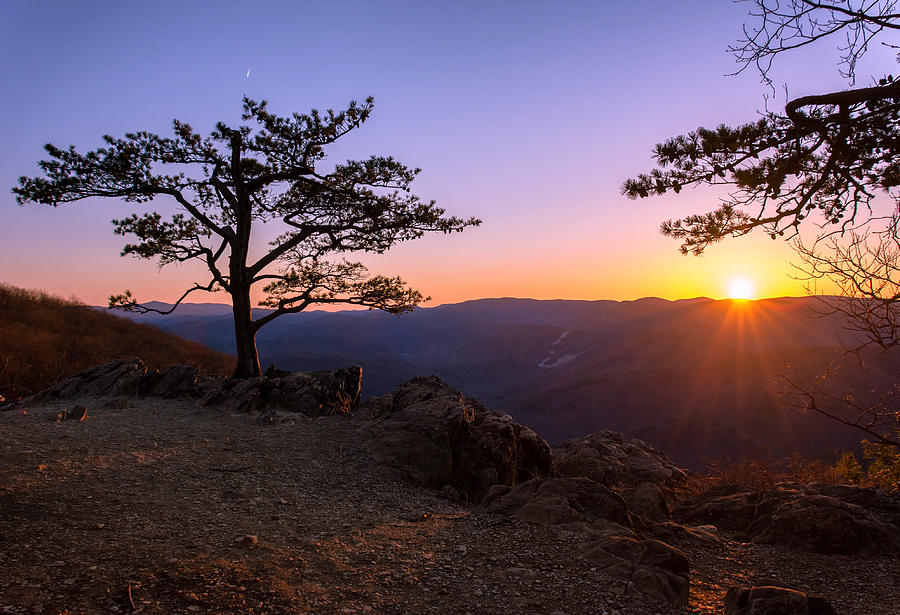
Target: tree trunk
x: 244, y: 336
x: 244, y: 331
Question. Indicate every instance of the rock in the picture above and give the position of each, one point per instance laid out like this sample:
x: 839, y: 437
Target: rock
x: 375, y: 407
x: 648, y: 502
x: 124, y: 379
x: 118, y: 403
x: 608, y: 459
x: 562, y: 501
x: 310, y: 393
x: 176, y: 381
x: 820, y: 518
x: 634, y: 468
x: 434, y: 436
x: 650, y: 567
x: 415, y: 431
x: 824, y: 524
x: 596, y: 457
x: 495, y: 450
x: 772, y: 600
x: 77, y: 413
x: 248, y: 540
x: 728, y: 512
x: 113, y: 378
x: 876, y: 500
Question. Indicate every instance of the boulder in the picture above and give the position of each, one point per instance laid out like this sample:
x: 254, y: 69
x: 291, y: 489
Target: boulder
x: 650, y: 567
x: 77, y: 413
x: 124, y: 379
x: 110, y: 379
x: 885, y: 505
x: 432, y: 435
x: 773, y: 600
x: 648, y: 502
x: 176, y: 381
x: 836, y: 519
x: 607, y: 458
x: 734, y: 511
x: 824, y: 524
x: 310, y: 393
x: 562, y: 501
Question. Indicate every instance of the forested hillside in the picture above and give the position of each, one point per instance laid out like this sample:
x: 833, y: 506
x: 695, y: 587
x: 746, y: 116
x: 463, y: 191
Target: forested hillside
x: 45, y: 338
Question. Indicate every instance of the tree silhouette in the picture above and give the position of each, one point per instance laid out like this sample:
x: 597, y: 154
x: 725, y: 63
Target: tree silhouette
x: 237, y: 179
x: 824, y: 158
x: 821, y: 161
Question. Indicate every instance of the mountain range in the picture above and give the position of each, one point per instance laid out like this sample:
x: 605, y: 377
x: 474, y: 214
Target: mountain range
x: 699, y: 378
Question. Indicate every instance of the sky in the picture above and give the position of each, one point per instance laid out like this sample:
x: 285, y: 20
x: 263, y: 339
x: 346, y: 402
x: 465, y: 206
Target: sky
x: 528, y: 115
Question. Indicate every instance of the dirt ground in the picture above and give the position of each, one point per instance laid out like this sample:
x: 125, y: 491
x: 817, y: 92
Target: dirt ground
x: 164, y: 507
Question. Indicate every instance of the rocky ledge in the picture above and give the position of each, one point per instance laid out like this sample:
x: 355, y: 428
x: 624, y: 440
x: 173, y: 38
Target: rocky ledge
x: 307, y: 393
x: 615, y: 500
x: 831, y: 519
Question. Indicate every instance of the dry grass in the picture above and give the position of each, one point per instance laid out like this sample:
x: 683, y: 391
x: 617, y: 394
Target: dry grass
x: 880, y: 467
x: 46, y: 338
x: 762, y: 474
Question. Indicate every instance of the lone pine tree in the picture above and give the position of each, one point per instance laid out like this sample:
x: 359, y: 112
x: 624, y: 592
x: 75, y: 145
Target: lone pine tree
x: 228, y: 184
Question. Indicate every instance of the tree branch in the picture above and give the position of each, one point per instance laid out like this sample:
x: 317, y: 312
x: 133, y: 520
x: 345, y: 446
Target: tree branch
x: 126, y: 302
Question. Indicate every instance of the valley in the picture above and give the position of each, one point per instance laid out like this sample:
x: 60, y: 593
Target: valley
x: 700, y: 379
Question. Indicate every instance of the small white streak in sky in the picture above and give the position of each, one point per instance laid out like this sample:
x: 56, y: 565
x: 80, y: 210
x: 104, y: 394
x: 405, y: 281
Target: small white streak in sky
x: 247, y: 76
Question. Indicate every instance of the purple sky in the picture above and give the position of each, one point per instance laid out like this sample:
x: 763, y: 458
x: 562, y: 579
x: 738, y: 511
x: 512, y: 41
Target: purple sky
x: 526, y: 114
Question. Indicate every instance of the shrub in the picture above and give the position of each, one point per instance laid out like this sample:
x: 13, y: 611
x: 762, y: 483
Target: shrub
x: 880, y: 468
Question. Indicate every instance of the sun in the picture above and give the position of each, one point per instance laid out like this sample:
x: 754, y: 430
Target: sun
x: 741, y: 288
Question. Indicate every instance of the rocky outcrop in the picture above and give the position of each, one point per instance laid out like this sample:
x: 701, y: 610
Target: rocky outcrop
x: 648, y: 502
x: 310, y: 393
x: 110, y: 379
x: 125, y: 378
x: 770, y: 599
x: 575, y: 504
x: 431, y: 434
x: 643, y: 475
x: 601, y: 517
x: 607, y: 458
x: 650, y: 567
x: 820, y: 518
x: 176, y: 381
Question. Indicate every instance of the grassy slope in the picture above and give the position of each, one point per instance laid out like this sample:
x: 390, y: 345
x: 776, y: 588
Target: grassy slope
x: 44, y: 339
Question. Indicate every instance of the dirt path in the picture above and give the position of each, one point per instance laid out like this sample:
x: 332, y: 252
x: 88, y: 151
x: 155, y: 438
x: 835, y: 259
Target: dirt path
x: 163, y: 507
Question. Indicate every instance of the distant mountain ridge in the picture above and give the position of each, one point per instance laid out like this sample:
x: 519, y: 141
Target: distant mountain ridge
x: 697, y: 377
